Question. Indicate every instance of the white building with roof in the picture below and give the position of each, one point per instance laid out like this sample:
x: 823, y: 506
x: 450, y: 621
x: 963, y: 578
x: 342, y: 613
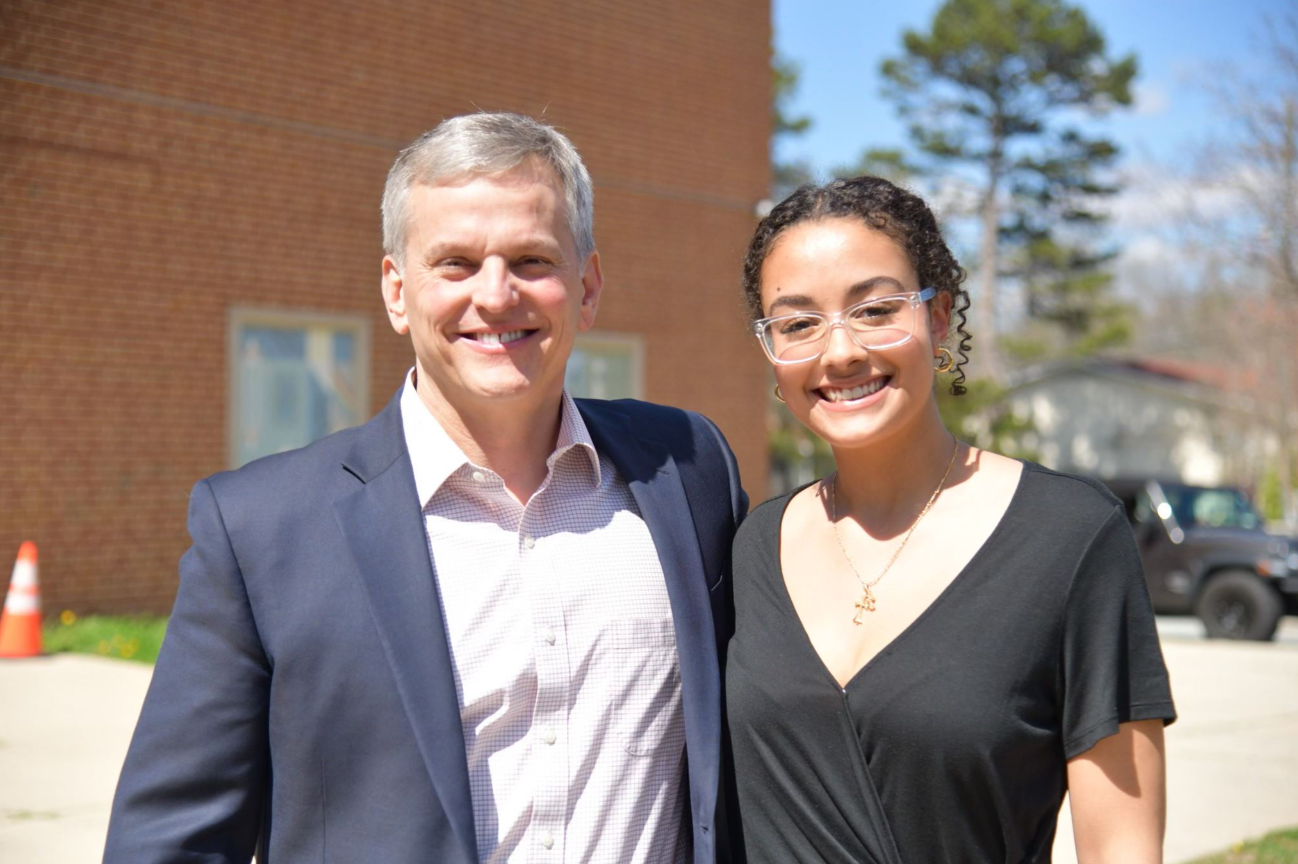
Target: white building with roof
x: 1108, y: 417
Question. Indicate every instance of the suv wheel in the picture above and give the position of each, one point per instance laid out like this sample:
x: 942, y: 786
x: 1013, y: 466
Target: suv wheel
x: 1236, y: 604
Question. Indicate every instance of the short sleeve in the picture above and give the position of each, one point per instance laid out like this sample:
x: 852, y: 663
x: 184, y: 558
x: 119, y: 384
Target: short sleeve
x: 1112, y: 668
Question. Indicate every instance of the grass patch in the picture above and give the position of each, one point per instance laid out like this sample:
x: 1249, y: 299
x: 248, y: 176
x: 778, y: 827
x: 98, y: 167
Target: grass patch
x: 1278, y: 847
x: 135, y: 638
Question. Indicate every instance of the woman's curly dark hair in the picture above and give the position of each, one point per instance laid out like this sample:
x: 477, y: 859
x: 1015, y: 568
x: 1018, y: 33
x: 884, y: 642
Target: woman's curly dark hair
x: 885, y: 207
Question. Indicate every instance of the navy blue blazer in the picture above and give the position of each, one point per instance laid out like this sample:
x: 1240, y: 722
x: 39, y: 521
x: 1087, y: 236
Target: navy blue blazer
x: 303, y: 704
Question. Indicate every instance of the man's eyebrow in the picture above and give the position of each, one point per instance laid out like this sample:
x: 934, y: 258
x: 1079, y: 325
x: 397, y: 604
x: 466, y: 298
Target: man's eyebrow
x: 522, y: 246
x: 548, y: 245
x: 801, y: 301
x: 442, y: 248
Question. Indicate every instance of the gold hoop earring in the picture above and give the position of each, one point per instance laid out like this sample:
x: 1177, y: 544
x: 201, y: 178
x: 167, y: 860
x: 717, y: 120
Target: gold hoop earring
x: 778, y: 395
x: 947, y: 363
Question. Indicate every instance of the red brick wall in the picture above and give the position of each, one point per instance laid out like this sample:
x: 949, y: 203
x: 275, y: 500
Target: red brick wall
x: 162, y: 162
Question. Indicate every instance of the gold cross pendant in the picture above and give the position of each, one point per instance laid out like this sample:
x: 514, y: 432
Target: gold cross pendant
x: 865, y: 604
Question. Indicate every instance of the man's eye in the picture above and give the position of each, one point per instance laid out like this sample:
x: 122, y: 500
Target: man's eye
x: 453, y: 267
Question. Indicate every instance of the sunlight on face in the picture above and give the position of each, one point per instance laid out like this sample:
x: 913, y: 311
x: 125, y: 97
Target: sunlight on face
x: 851, y: 395
x: 492, y: 294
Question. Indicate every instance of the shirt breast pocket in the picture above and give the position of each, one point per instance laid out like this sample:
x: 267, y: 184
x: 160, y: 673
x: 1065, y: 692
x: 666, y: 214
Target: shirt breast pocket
x: 648, y: 716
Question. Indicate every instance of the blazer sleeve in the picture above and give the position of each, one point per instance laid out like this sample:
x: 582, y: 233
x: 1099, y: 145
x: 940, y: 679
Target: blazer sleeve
x: 738, y: 497
x: 194, y: 778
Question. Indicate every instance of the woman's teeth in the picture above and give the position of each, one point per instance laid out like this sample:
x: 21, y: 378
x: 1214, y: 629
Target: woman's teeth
x: 500, y: 338
x: 834, y: 394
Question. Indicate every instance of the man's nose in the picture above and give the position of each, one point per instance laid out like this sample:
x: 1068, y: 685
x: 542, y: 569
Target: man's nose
x: 494, y: 289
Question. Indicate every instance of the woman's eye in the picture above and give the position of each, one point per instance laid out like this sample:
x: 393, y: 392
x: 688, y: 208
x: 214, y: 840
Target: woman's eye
x: 876, y: 312
x: 797, y: 325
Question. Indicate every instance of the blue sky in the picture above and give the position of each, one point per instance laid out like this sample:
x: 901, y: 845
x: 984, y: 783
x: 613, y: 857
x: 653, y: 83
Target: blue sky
x: 1178, y: 43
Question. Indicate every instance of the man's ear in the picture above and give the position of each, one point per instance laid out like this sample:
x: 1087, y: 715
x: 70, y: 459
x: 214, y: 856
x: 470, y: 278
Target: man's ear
x: 939, y: 317
x: 592, y: 283
x: 394, y: 296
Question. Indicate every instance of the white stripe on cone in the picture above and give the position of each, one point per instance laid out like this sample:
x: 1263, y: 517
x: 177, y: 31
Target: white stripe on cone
x: 23, y: 597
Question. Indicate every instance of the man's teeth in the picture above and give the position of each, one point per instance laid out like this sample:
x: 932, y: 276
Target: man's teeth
x: 832, y: 394
x: 499, y: 338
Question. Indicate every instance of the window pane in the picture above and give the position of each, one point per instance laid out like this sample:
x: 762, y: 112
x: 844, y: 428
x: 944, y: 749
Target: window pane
x: 603, y: 370
x: 294, y: 385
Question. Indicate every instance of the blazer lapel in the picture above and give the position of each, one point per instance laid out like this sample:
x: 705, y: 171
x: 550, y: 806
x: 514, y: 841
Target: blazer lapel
x: 655, y: 483
x: 383, y: 527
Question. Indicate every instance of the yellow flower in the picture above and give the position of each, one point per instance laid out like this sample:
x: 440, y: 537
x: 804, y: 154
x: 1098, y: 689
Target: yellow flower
x: 67, y: 617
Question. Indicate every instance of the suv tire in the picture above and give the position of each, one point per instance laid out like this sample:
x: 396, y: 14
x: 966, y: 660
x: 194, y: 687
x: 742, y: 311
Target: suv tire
x: 1237, y: 604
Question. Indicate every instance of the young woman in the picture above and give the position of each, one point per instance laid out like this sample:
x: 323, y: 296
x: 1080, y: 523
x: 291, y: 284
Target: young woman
x: 934, y: 642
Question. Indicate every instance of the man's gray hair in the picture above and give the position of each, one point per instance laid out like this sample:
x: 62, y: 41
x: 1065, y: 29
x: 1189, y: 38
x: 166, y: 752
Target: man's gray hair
x: 486, y: 144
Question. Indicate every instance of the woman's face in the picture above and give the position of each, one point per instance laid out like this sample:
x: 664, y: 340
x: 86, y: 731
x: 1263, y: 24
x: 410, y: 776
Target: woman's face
x: 851, y: 396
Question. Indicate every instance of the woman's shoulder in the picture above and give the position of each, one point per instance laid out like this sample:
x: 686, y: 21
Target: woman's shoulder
x: 767, y: 515
x: 764, y: 521
x: 1071, y: 499
x: 1072, y: 489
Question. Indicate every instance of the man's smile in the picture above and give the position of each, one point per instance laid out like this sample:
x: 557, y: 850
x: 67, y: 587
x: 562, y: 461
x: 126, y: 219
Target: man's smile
x: 496, y: 341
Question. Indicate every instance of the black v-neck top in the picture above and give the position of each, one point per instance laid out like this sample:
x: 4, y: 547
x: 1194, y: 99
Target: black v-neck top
x: 950, y: 745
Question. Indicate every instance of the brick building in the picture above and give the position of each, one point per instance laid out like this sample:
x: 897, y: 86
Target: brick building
x: 190, y: 243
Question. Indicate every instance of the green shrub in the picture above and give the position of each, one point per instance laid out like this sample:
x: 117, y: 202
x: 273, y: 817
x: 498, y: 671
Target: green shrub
x: 136, y: 638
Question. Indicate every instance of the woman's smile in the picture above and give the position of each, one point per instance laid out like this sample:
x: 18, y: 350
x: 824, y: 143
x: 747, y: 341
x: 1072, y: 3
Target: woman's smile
x: 848, y: 397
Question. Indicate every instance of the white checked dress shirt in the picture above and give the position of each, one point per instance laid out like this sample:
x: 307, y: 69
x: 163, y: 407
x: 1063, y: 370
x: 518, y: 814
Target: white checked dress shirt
x: 563, y: 652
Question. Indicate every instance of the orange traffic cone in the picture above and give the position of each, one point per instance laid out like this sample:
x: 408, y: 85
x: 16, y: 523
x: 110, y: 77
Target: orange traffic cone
x: 20, y: 623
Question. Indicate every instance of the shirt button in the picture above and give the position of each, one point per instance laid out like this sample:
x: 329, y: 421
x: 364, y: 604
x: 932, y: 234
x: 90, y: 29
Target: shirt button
x: 549, y: 635
x: 549, y: 736
x: 529, y: 541
x: 547, y: 839
x: 479, y: 477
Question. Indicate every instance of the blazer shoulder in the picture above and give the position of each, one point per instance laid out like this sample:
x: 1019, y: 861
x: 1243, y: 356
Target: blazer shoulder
x: 634, y: 410
x: 284, y: 488
x: 677, y: 428
x: 378, y: 442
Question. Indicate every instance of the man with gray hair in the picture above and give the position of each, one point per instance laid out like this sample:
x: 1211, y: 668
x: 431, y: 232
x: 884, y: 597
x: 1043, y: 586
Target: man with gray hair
x: 482, y: 627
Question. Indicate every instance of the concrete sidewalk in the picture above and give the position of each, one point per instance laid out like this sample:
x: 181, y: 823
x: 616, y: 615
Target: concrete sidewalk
x: 65, y: 723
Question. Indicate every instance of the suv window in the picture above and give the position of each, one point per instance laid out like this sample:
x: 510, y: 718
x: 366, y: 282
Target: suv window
x: 1211, y: 508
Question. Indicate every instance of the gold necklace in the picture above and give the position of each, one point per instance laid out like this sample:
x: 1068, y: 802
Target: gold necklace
x: 867, y: 602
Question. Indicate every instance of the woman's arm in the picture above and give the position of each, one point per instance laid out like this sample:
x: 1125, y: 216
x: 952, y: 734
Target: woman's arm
x: 1118, y: 795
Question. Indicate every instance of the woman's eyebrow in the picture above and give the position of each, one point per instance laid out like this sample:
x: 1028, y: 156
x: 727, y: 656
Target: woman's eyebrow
x: 802, y: 301
x: 873, y: 282
x: 797, y: 301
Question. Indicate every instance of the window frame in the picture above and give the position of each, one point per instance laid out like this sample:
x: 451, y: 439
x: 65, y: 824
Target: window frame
x: 240, y: 317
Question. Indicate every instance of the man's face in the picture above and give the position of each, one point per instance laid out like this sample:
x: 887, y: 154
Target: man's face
x: 492, y: 293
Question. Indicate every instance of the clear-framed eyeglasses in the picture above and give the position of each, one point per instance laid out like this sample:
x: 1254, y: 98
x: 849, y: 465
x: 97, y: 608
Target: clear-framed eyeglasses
x: 879, y: 322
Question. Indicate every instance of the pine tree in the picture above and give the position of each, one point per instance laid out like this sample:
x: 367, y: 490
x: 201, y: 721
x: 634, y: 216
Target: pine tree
x: 991, y: 86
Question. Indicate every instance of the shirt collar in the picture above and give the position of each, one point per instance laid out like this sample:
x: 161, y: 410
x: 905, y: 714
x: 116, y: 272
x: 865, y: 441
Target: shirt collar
x: 434, y: 457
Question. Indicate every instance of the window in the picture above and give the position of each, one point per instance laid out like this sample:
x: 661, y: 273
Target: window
x: 294, y: 377
x: 606, y: 366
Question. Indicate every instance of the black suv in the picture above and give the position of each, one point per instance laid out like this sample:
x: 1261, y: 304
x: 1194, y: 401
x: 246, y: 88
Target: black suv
x: 1205, y: 552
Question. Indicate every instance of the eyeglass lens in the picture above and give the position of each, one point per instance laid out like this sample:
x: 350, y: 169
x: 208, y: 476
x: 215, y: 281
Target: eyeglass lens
x: 880, y: 323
